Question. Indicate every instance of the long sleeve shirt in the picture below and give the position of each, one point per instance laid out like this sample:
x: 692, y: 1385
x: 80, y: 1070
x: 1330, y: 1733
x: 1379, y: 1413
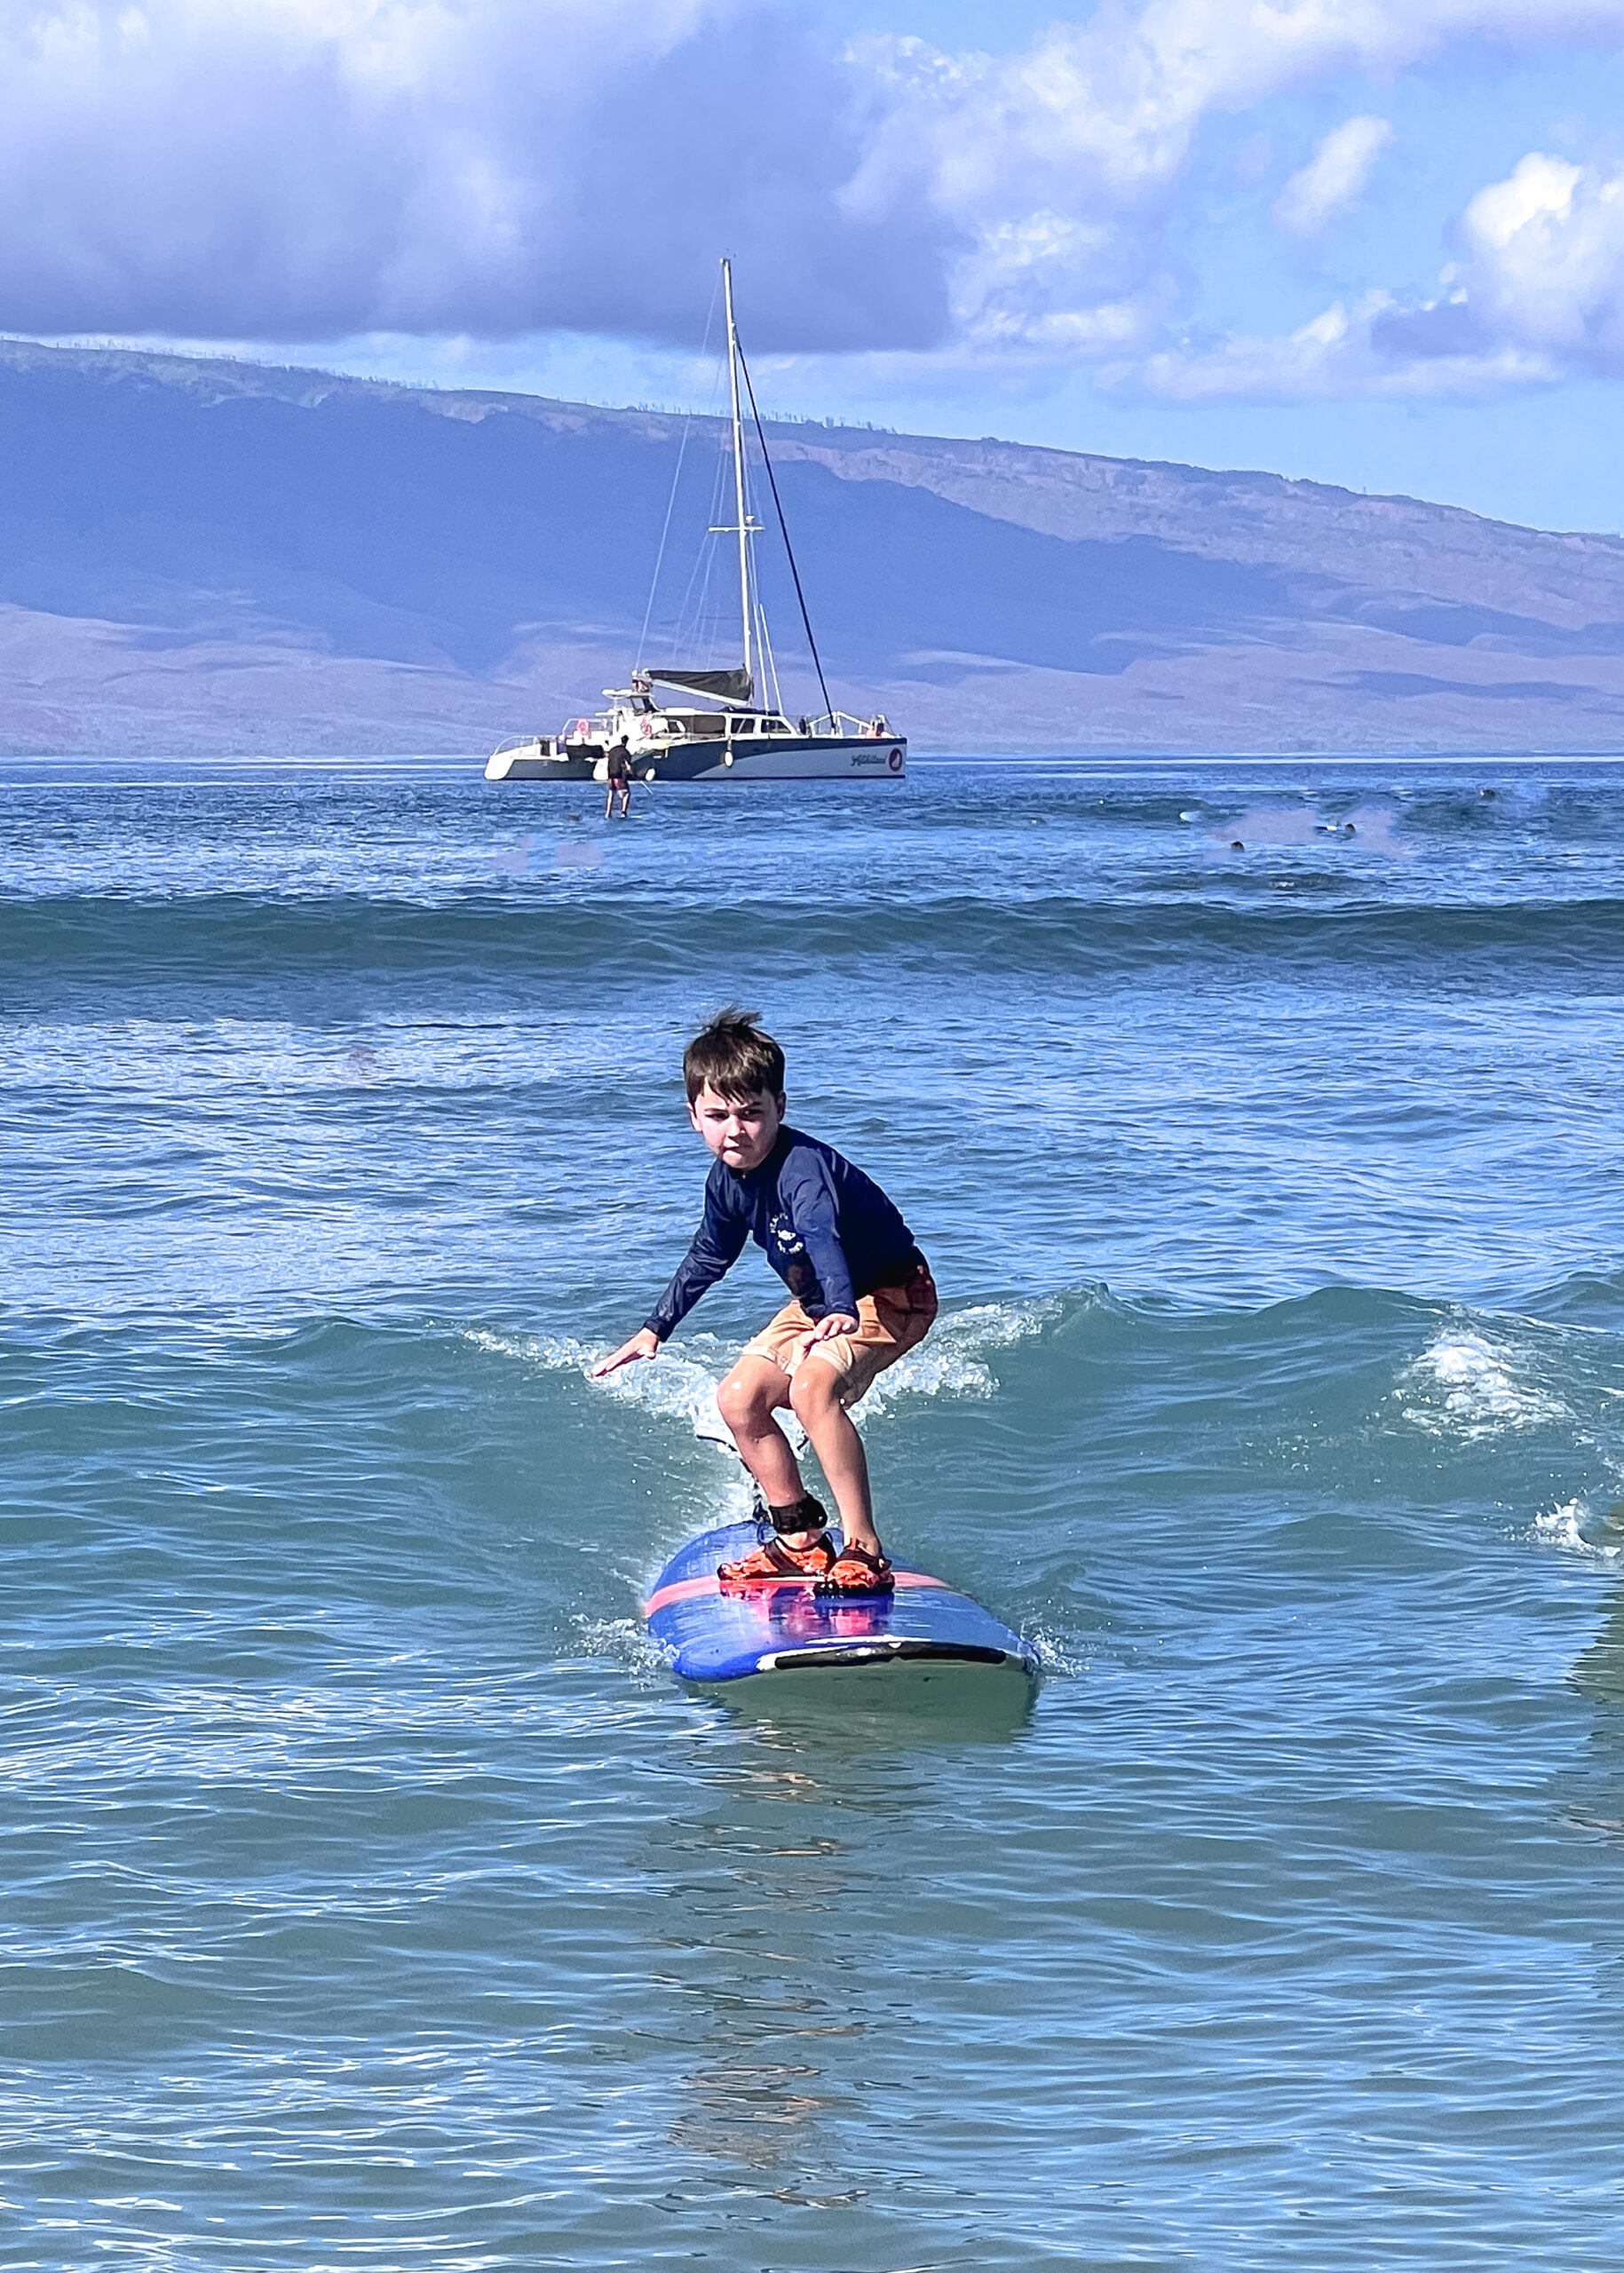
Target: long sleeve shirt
x: 828, y: 1229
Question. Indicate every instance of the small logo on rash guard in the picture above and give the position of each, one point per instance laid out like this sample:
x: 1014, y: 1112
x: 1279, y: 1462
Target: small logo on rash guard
x: 789, y: 1256
x: 782, y: 1231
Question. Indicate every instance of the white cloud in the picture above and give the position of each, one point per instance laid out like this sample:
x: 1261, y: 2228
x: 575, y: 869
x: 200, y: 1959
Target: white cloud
x: 1343, y: 352
x: 1092, y: 130
x: 1538, y: 296
x: 1546, y: 261
x: 1334, y: 177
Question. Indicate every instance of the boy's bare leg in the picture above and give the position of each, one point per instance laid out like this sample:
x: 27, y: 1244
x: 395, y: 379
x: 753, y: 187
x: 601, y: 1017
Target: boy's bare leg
x: 747, y: 1400
x: 814, y: 1394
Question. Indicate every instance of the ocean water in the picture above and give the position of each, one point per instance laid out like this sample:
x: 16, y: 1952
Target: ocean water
x: 371, y: 1896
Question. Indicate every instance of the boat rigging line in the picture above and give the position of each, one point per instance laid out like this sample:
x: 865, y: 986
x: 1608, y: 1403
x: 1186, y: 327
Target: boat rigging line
x: 671, y: 503
x: 783, y: 527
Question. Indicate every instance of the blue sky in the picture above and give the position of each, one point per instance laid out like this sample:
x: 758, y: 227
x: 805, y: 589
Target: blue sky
x: 1379, y: 242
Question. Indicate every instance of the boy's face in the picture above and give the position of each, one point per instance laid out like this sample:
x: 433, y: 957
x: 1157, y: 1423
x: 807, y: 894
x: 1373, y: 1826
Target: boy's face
x: 741, y: 1131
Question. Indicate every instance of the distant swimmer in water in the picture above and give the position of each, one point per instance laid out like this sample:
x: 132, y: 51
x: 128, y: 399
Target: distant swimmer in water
x: 861, y: 1296
x: 619, y: 765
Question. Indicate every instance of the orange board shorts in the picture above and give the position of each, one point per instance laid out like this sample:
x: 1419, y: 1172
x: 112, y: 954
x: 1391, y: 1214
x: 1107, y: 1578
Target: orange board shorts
x: 890, y: 1321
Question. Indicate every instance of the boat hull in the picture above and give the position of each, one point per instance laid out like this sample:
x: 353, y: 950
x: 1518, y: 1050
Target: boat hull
x: 534, y: 762
x: 785, y: 757
x: 791, y: 757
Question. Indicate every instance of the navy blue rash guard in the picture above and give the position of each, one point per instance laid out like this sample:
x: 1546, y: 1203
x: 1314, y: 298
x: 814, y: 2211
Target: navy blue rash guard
x: 828, y: 1231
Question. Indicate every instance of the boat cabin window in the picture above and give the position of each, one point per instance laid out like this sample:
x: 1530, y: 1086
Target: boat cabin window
x: 744, y: 725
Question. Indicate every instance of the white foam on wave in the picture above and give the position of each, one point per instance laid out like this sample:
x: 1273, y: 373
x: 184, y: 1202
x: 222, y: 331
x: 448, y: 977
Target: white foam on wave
x: 555, y: 1352
x: 1466, y: 1384
x: 675, y: 1386
x: 1564, y: 1528
x: 625, y: 1641
x: 1056, y: 1660
x: 951, y: 1361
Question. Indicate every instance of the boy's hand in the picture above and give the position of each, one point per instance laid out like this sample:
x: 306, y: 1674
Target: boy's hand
x: 644, y: 1343
x: 827, y: 1328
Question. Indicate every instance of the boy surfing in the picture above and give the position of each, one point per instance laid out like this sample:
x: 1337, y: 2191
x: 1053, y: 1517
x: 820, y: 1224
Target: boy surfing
x: 861, y: 1295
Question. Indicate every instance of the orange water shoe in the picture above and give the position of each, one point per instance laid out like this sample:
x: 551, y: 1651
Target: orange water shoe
x: 857, y: 1571
x: 777, y: 1559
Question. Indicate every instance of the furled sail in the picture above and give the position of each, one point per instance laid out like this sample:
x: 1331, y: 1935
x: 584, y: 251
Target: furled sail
x: 727, y: 686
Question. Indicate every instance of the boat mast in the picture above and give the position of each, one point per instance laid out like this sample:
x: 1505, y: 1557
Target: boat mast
x: 744, y: 535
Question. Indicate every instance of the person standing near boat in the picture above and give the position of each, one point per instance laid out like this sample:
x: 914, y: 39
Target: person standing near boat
x: 618, y: 765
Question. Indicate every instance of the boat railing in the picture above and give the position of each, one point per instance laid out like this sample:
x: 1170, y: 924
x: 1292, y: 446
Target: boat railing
x: 842, y: 722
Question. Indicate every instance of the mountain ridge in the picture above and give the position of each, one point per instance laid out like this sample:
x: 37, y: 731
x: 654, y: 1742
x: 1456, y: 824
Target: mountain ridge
x: 198, y: 553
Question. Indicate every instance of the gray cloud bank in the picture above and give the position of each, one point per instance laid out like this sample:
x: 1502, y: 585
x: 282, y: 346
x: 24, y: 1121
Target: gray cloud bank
x: 291, y: 174
x: 313, y: 170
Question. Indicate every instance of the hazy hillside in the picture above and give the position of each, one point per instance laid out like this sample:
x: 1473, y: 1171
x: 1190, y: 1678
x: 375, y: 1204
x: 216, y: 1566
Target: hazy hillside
x: 204, y: 556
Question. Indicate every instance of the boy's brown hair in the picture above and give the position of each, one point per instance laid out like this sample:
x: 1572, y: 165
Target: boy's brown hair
x: 733, y: 1057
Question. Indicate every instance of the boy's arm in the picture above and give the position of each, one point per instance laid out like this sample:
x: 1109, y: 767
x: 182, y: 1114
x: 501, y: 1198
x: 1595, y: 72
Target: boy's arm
x: 716, y: 1245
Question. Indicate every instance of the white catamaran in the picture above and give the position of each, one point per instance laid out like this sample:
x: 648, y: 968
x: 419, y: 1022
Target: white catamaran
x: 732, y: 732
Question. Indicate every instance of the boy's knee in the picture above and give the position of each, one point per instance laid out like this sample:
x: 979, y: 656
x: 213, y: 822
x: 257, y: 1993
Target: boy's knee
x: 739, y: 1401
x: 815, y: 1389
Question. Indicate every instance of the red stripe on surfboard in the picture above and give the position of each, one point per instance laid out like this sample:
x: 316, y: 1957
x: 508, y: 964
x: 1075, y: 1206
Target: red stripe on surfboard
x: 692, y: 1589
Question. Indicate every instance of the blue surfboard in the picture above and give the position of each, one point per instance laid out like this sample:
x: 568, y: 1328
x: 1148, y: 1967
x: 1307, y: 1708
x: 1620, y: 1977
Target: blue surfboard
x: 925, y: 1629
